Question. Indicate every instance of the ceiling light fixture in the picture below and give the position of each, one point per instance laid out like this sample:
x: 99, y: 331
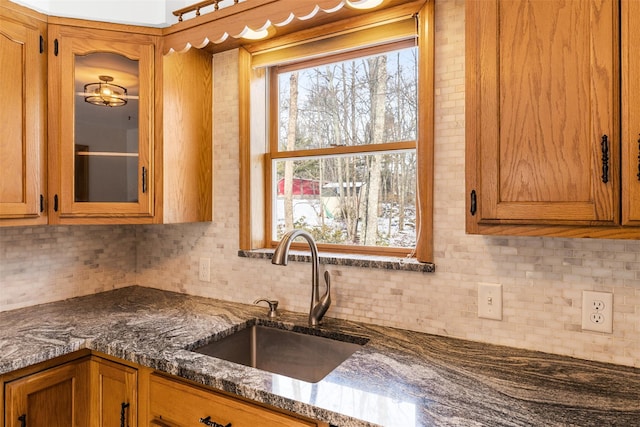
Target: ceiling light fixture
x: 105, y: 93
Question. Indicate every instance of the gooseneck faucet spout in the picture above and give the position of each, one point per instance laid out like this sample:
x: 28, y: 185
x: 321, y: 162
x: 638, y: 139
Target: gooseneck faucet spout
x: 319, y: 305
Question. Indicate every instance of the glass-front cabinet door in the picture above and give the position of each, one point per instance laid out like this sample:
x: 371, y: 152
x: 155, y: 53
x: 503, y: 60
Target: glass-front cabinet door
x: 105, y: 129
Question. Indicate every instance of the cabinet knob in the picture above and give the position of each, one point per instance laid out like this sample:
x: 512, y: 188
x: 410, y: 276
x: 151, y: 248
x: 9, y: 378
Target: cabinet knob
x: 23, y: 420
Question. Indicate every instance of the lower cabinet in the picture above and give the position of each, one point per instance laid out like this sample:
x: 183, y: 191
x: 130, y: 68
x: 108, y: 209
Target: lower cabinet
x: 55, y: 397
x: 173, y: 403
x: 94, y: 391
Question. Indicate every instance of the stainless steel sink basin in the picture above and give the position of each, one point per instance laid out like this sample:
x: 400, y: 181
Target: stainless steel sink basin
x: 305, y: 357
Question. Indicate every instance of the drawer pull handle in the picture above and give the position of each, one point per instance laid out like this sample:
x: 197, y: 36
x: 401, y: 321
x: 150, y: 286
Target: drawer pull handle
x: 474, y: 203
x: 23, y: 420
x: 207, y: 421
x: 638, y: 158
x: 123, y: 413
x: 144, y: 179
x: 604, y: 145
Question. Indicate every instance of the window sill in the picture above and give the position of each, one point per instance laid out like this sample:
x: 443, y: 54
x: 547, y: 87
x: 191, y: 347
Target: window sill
x: 349, y: 260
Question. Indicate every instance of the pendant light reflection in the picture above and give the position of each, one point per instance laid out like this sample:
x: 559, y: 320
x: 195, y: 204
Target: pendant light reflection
x: 105, y: 93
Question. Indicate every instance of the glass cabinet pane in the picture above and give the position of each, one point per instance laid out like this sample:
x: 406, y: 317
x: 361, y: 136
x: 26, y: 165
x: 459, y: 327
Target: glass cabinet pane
x: 106, y: 148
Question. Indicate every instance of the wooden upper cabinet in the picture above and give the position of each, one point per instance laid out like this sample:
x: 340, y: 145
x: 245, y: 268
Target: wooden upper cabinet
x: 631, y: 111
x: 542, y: 113
x: 22, y: 119
x: 64, y: 160
x: 148, y: 161
x: 101, y: 152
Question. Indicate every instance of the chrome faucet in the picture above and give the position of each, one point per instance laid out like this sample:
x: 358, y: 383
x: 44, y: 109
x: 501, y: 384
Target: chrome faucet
x: 319, y: 306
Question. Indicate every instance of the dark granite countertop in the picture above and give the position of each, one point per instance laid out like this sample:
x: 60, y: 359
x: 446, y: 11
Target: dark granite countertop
x: 399, y: 378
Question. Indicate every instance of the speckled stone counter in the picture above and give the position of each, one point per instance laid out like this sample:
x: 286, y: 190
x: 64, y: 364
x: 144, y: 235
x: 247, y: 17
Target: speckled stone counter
x: 399, y: 378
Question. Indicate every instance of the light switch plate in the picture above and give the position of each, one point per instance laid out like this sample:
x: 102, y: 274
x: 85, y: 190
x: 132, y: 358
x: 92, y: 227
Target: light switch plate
x: 490, y: 301
x: 597, y: 311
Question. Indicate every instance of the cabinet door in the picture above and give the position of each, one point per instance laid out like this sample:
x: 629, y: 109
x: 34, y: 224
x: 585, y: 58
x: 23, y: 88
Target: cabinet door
x: 23, y: 121
x: 542, y: 127
x: 631, y: 111
x: 102, y: 96
x: 173, y: 403
x: 57, y: 397
x: 115, y: 394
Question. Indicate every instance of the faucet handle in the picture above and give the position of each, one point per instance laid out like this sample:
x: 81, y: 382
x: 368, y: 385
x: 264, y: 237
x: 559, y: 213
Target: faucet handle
x: 273, y: 306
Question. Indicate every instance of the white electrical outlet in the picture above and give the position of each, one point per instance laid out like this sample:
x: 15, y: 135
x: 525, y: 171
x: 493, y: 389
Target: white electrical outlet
x: 597, y: 311
x: 204, y: 270
x: 490, y: 301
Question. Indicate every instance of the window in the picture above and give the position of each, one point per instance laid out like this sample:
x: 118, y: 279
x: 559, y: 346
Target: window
x: 343, y: 148
x: 348, y: 140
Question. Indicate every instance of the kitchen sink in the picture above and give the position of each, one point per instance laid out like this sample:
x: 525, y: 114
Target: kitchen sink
x: 297, y: 355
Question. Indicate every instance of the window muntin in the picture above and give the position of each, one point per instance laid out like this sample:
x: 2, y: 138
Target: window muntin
x: 331, y: 152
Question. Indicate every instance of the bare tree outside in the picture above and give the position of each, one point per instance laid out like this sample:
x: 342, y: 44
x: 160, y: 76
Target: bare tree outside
x: 378, y: 86
x: 355, y: 198
x: 291, y: 143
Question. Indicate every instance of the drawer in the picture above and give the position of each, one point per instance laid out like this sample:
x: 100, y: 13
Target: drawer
x: 176, y: 404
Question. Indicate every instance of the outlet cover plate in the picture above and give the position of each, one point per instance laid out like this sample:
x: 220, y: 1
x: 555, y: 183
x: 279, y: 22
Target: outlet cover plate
x: 597, y: 311
x: 490, y: 301
x: 204, y: 270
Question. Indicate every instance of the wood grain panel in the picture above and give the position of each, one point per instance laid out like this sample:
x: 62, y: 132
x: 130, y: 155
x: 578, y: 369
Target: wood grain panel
x: 12, y: 138
x: 544, y: 101
x: 187, y: 137
x: 113, y: 385
x: 22, y: 118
